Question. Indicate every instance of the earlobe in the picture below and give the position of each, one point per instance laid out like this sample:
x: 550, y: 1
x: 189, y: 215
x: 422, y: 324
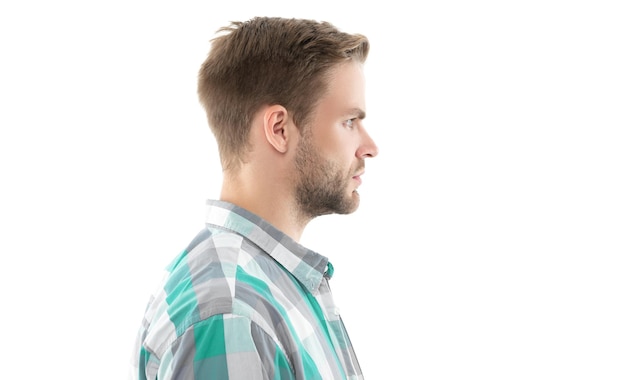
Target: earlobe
x: 275, y: 122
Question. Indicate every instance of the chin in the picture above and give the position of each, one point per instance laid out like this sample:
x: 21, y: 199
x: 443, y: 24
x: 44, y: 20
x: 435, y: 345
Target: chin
x: 352, y: 203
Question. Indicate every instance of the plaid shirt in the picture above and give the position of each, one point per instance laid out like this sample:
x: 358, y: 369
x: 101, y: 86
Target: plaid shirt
x: 243, y: 301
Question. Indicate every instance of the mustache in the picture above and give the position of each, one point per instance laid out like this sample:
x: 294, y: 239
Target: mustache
x: 360, y: 167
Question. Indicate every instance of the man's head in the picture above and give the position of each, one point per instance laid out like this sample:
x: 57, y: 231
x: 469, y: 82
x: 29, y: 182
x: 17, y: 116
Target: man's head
x: 267, y: 61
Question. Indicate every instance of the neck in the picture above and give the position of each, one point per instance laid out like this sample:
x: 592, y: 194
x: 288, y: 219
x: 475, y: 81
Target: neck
x: 265, y: 197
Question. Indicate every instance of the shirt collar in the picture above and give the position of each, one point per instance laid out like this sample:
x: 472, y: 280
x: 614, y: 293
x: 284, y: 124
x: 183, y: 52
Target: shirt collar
x: 306, y: 265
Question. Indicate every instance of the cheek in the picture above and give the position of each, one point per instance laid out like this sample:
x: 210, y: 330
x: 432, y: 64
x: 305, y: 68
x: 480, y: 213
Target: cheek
x: 337, y: 145
x: 340, y: 155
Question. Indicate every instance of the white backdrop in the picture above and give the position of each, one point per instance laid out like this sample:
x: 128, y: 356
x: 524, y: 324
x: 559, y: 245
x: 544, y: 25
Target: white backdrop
x: 491, y: 238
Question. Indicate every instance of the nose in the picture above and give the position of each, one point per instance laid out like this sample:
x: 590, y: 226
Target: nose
x: 368, y: 147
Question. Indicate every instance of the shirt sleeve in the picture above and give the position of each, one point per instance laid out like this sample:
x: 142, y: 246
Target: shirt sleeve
x: 225, y: 346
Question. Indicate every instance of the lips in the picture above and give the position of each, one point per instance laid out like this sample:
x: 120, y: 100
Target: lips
x: 360, y: 170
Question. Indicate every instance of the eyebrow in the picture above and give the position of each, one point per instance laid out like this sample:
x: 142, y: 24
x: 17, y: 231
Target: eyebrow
x: 358, y: 112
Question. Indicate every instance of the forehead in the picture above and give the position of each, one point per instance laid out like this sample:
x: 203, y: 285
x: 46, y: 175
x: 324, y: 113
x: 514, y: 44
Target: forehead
x: 346, y: 88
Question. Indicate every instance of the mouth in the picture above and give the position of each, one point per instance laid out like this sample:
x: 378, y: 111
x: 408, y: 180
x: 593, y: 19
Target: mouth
x: 357, y: 178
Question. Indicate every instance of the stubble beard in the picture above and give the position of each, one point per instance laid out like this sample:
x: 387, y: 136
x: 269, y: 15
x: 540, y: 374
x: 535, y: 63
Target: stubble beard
x: 321, y: 185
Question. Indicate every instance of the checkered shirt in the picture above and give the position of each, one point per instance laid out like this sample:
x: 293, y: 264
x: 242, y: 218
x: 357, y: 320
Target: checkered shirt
x: 243, y: 301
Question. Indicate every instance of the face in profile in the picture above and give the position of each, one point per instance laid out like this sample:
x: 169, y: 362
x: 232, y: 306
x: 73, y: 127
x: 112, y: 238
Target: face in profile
x: 331, y: 154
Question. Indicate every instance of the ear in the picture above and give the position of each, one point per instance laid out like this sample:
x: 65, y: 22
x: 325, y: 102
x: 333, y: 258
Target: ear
x: 275, y: 125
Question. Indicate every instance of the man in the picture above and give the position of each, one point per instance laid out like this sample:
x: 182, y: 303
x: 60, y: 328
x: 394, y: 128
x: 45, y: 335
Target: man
x: 285, y: 101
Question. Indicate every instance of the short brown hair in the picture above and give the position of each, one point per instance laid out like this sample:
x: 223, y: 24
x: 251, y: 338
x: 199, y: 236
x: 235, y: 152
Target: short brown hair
x: 266, y: 61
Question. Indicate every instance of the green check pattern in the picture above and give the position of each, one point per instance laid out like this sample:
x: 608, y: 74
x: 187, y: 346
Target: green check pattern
x: 243, y: 301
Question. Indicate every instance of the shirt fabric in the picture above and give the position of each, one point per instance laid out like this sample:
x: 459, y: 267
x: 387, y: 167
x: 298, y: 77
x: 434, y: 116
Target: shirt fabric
x: 243, y: 301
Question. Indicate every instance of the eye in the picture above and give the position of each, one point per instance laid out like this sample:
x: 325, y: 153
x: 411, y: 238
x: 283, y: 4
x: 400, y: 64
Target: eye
x: 349, y: 123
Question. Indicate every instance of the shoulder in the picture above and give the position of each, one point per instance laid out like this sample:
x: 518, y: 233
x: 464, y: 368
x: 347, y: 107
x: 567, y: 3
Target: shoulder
x: 220, y: 273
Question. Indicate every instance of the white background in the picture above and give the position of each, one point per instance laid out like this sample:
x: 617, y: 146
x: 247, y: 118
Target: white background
x: 491, y: 238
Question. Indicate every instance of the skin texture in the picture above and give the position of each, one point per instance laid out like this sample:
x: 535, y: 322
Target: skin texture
x: 331, y: 157
x: 289, y: 177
